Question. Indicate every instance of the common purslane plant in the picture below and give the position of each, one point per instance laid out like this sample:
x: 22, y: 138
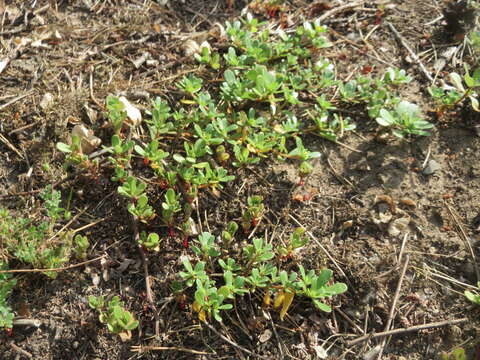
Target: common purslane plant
x: 404, y: 119
x: 113, y: 314
x: 466, y: 88
x: 474, y: 296
x: 255, y: 271
x: 261, y: 98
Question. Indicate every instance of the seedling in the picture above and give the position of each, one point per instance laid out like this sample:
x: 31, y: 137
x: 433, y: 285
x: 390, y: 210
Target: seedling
x: 254, y: 212
x: 229, y: 233
x: 170, y: 207
x: 396, y: 76
x: 296, y: 241
x: 474, y: 296
x: 230, y: 265
x: 302, y: 154
x: 404, y: 120
x: 113, y: 314
x: 141, y: 209
x: 132, y: 188
x: 456, y: 354
x: 116, y: 113
x: 193, y: 274
x: 258, y: 252
x: 190, y: 84
x: 315, y: 287
x: 262, y: 276
x: 206, y: 57
x: 150, y: 242
x: 81, y: 244
x: 205, y: 246
x: 6, y: 287
x: 74, y: 152
x: 158, y: 124
x: 209, y: 302
x: 466, y: 88
x: 234, y: 285
x: 152, y: 154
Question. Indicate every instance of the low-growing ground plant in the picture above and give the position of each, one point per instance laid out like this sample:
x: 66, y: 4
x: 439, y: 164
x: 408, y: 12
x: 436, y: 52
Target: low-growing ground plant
x: 466, y: 88
x: 456, y: 354
x: 263, y: 98
x: 113, y: 314
x: 36, y: 243
x: 474, y: 296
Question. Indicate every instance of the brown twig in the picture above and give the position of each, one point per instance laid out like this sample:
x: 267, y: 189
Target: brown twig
x: 15, y: 99
x: 142, y: 349
x: 8, y: 144
x: 406, y: 330
x: 322, y: 248
x: 92, y: 96
x: 20, y: 350
x: 279, y: 340
x: 350, y: 321
x: 27, y: 322
x: 394, y: 305
x: 31, y: 192
x: 235, y: 345
x: 148, y: 288
x: 339, y: 9
x: 410, y: 51
x: 465, y: 238
x: 54, y: 269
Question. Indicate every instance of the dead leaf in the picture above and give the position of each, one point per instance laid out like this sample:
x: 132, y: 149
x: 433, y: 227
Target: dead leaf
x: 190, y: 47
x: 125, y: 336
x: 89, y: 142
x: 398, y: 226
x: 47, y: 101
x: 265, y: 336
x: 134, y: 116
x: 287, y: 301
x: 124, y: 265
x: 388, y: 200
x: 320, y: 352
x: 408, y: 202
x: 95, y: 279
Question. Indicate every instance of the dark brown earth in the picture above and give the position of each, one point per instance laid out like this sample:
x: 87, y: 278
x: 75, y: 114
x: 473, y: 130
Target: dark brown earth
x: 87, y: 52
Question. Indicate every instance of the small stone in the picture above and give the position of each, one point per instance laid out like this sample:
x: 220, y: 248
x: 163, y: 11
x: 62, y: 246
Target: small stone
x: 190, y: 47
x: 431, y: 167
x: 46, y: 101
x: 398, y: 226
x: 75, y: 345
x: 265, y: 336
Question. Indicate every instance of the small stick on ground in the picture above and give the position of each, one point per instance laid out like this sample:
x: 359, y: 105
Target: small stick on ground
x: 92, y: 96
x: 279, y: 340
x: 31, y: 192
x: 465, y: 238
x: 20, y: 350
x: 402, y: 248
x: 54, y: 269
x: 142, y: 349
x: 27, y: 322
x: 394, y: 304
x: 339, y: 9
x: 405, y: 330
x: 235, y: 345
x: 148, y: 288
x: 323, y: 249
x: 8, y: 144
x: 14, y: 100
x: 350, y: 321
x: 410, y: 51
